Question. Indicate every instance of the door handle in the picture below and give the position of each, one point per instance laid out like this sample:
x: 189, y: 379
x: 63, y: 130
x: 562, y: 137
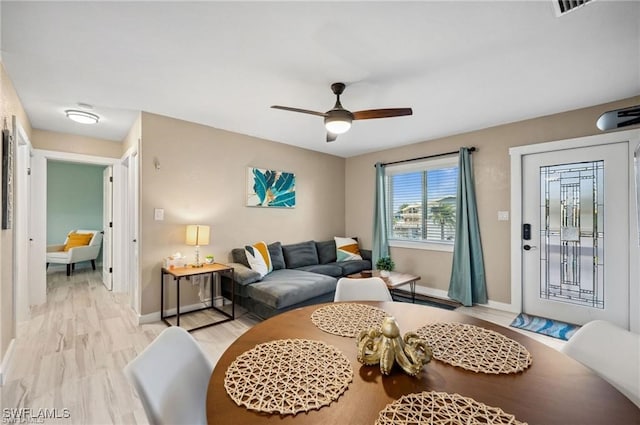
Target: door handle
x: 529, y: 247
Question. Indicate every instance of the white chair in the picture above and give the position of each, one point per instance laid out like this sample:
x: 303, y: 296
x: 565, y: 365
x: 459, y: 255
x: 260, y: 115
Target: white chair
x: 171, y: 377
x: 612, y: 352
x: 57, y: 255
x: 367, y: 289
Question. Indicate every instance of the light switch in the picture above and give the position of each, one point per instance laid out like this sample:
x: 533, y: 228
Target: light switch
x: 503, y: 215
x: 158, y: 214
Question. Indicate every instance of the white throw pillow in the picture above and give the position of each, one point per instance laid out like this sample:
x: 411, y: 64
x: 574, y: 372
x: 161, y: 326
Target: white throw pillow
x: 347, y: 249
x: 259, y: 258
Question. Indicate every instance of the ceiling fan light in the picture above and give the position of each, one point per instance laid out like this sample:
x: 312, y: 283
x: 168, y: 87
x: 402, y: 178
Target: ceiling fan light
x: 82, y: 117
x: 337, y: 124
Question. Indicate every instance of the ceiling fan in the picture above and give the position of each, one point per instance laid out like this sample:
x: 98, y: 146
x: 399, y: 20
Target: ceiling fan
x: 338, y: 120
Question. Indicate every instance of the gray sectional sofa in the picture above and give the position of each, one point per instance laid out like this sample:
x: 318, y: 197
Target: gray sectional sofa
x: 304, y: 273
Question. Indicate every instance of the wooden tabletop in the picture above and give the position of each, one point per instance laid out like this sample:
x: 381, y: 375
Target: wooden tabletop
x: 394, y: 279
x: 555, y: 389
x: 192, y: 270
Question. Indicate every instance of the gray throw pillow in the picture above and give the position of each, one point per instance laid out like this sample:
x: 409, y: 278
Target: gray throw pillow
x: 277, y: 257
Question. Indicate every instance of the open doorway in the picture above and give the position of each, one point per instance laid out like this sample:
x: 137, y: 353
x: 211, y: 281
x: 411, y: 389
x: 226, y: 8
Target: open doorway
x: 41, y: 162
x: 76, y: 203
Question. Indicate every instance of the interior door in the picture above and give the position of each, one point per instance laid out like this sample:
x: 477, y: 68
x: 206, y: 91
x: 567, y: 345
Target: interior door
x: 107, y: 228
x: 575, y: 250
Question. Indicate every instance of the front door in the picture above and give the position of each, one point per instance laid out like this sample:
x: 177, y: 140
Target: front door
x: 575, y: 265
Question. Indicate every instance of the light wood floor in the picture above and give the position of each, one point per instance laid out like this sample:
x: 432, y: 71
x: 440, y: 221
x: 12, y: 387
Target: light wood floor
x: 72, y: 352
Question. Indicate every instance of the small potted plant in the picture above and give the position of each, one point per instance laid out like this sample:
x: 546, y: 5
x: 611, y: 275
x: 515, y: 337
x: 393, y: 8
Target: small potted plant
x: 208, y: 259
x: 385, y: 265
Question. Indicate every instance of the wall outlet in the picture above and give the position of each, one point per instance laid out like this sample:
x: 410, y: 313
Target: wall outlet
x: 503, y: 215
x: 158, y: 214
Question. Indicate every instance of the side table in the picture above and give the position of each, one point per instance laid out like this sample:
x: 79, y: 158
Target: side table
x: 187, y: 272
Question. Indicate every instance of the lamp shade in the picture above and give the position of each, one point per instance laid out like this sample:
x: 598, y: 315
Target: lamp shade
x: 197, y: 234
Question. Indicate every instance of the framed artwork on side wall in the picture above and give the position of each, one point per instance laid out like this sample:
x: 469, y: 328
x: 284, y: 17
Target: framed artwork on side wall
x: 270, y: 188
x: 7, y: 179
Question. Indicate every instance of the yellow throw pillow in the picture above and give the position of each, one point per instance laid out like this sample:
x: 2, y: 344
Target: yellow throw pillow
x: 77, y: 239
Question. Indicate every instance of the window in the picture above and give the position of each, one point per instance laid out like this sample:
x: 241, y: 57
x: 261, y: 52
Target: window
x: 421, y: 201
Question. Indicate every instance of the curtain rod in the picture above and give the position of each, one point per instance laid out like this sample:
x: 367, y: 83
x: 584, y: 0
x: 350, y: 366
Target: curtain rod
x: 471, y: 149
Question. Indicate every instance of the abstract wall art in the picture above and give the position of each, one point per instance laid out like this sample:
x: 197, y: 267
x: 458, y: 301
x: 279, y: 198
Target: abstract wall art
x: 270, y: 188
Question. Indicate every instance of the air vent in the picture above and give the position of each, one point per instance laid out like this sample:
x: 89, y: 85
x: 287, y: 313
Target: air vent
x: 566, y: 6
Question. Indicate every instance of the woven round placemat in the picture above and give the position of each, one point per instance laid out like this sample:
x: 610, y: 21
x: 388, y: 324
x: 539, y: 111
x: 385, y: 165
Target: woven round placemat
x: 438, y: 408
x: 288, y: 376
x: 347, y: 319
x: 474, y: 348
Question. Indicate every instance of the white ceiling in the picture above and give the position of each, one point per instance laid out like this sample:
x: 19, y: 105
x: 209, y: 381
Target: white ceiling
x: 461, y: 66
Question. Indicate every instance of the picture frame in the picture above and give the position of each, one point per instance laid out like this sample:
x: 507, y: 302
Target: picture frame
x: 7, y: 179
x: 636, y: 166
x: 270, y: 188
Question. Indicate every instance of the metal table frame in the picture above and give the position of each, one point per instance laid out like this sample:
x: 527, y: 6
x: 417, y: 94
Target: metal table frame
x: 187, y: 272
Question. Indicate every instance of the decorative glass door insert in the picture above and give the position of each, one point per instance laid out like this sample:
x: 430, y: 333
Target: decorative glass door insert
x: 572, y: 233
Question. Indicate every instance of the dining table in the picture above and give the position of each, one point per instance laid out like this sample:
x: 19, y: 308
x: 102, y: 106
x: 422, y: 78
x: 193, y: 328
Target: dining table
x: 553, y: 389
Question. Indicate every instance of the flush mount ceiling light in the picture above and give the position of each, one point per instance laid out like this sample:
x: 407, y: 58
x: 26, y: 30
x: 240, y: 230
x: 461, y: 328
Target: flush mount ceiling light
x: 81, y: 116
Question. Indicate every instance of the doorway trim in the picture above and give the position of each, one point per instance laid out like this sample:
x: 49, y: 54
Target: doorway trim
x: 517, y: 154
x: 39, y: 215
x: 22, y: 229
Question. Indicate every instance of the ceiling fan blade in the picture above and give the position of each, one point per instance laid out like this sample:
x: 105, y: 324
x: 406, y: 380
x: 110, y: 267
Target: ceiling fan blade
x: 304, y: 111
x: 381, y: 113
x: 331, y: 137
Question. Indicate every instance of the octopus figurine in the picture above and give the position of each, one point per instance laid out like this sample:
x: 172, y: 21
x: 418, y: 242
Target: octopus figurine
x: 386, y: 347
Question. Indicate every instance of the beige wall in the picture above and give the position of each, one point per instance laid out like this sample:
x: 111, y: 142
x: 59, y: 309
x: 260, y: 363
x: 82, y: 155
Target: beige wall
x: 71, y: 143
x: 202, y: 180
x: 9, y: 106
x: 133, y: 137
x: 491, y: 166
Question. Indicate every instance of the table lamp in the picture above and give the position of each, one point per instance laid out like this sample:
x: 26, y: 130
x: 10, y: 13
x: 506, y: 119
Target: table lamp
x: 197, y: 235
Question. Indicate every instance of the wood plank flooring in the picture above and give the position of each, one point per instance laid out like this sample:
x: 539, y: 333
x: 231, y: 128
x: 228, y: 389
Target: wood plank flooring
x: 71, y: 354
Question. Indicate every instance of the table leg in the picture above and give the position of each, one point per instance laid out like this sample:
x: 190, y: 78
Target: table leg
x: 412, y: 285
x: 178, y: 301
x: 162, y: 295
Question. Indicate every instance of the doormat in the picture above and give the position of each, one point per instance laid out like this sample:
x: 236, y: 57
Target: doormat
x: 405, y: 297
x: 549, y: 327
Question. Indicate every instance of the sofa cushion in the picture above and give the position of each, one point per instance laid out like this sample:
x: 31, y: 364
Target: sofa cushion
x: 282, y: 288
x: 239, y: 256
x: 300, y: 254
x: 326, y: 251
x: 243, y: 275
x: 347, y: 249
x: 327, y: 269
x: 354, y: 266
x: 277, y: 258
x: 259, y: 258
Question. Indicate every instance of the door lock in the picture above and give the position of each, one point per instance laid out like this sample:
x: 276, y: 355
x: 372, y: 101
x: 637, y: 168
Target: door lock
x: 529, y: 247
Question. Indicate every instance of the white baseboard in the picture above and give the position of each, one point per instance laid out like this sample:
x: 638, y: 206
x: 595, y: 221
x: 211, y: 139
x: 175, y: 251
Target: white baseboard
x: 155, y: 316
x: 440, y: 293
x: 6, y: 362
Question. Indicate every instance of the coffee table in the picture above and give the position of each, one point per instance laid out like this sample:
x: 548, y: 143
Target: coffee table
x: 393, y: 281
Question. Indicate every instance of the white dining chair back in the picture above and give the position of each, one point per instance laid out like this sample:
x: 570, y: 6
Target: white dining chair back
x: 366, y: 289
x: 171, y: 377
x: 612, y: 352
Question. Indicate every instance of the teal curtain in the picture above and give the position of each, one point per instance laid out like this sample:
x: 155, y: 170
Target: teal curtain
x: 380, y: 242
x: 467, y: 283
